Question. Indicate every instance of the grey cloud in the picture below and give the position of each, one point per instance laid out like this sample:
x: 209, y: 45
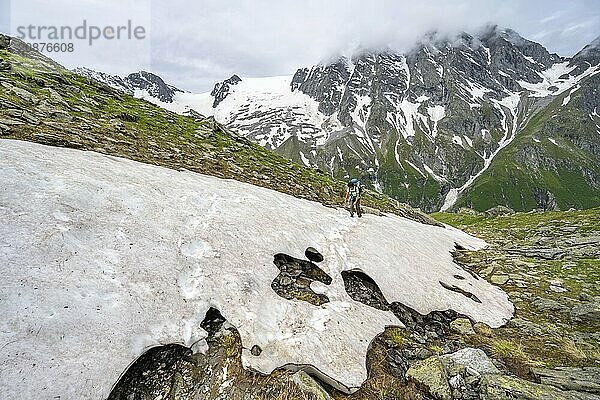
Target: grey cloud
x: 195, y: 43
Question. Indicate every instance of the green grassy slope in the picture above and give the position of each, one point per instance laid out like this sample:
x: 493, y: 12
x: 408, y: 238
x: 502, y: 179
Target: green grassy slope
x: 44, y: 103
x: 556, y: 153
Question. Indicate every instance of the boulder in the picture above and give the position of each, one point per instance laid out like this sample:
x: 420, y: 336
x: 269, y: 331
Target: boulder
x: 430, y: 374
x: 586, y: 379
x: 313, y: 254
x: 586, y: 312
x: 500, y: 387
x: 499, y: 210
x: 545, y: 305
x: 475, y: 361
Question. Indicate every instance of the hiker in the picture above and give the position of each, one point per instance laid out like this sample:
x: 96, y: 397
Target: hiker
x: 353, y: 192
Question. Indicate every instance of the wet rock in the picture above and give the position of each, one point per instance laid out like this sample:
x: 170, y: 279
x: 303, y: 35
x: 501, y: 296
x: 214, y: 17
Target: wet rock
x: 303, y: 273
x: 462, y: 326
x: 500, y: 387
x: 586, y: 379
x: 313, y: 254
x: 309, y: 387
x: 586, y: 312
x: 161, y: 370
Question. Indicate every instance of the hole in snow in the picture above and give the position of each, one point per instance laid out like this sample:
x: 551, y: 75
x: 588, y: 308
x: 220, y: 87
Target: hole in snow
x: 154, y: 370
x: 461, y: 291
x: 295, y: 277
x: 213, y: 321
x: 362, y: 288
x: 460, y: 278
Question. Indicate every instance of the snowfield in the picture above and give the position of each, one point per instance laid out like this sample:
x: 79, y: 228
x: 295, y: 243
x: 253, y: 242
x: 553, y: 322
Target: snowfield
x: 102, y: 258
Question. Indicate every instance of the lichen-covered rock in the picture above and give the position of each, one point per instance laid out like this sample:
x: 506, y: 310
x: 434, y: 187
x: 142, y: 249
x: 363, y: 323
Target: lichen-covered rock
x: 499, y: 210
x: 587, y: 311
x: 462, y: 326
x: 501, y: 387
x: 309, y: 386
x: 431, y: 375
x: 585, y: 379
x: 475, y: 361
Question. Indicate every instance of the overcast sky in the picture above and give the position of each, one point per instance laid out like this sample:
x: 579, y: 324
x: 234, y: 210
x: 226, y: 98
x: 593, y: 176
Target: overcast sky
x: 193, y: 44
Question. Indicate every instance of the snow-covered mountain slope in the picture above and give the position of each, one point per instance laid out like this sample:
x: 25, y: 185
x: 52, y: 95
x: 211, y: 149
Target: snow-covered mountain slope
x: 421, y: 126
x: 102, y: 257
x: 141, y: 84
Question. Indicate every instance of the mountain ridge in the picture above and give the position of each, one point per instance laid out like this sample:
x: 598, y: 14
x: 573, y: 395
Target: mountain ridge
x: 423, y: 126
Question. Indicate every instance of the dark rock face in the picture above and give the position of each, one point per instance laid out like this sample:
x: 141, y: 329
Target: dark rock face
x: 221, y: 89
x: 147, y: 81
x: 153, y: 84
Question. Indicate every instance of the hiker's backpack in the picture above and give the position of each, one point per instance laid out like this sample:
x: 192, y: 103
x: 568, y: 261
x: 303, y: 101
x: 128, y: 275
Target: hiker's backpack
x: 356, y: 183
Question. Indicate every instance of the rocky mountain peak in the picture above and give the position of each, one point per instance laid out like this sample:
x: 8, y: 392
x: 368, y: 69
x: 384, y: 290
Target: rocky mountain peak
x: 152, y: 84
x: 221, y: 89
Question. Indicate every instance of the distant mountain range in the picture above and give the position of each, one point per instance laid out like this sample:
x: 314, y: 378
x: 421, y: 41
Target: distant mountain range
x: 472, y: 120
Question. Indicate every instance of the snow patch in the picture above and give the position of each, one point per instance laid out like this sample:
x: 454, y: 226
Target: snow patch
x: 86, y: 293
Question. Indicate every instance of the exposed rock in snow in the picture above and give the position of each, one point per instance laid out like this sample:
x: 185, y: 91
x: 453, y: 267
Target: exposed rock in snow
x: 103, y: 257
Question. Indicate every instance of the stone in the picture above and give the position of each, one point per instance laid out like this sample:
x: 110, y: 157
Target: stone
x: 557, y: 289
x: 256, y: 350
x: 586, y: 379
x: 527, y: 327
x: 543, y: 305
x: 586, y: 312
x: 285, y: 281
x: 499, y: 279
x: 475, y: 361
x: 10, y: 122
x: 556, y: 282
x: 61, y: 115
x: 545, y: 253
x: 462, y: 326
x: 499, y: 210
x: 456, y: 382
x: 431, y: 375
x: 483, y: 329
x: 313, y: 254
x: 486, y: 271
x: 310, y: 388
x: 500, y: 387
x: 4, y: 65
